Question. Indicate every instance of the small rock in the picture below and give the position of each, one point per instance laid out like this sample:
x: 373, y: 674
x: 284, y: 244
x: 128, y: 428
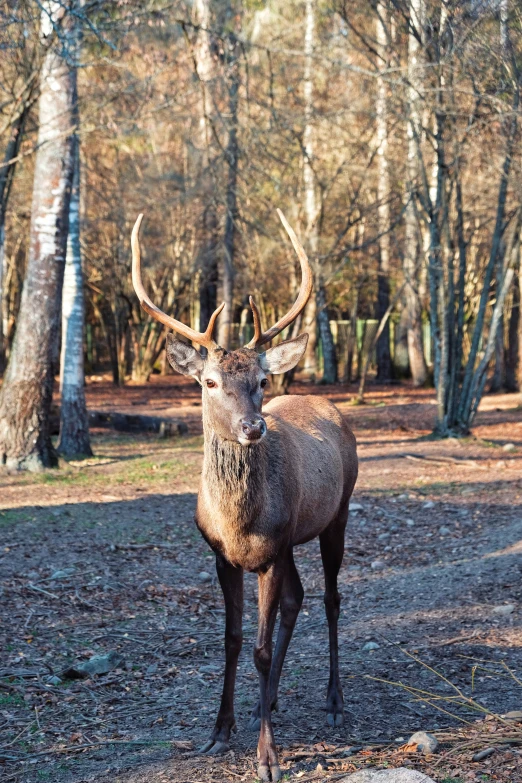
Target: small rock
x: 404, y: 496
x: 98, y: 664
x: 399, y: 775
x: 428, y: 504
x: 53, y: 680
x: 509, y: 447
x: 444, y: 531
x: 426, y: 743
x: 410, y: 523
x: 204, y: 576
x: 371, y: 646
x: 483, y: 754
x: 377, y: 565
x: 505, y: 609
x: 383, y: 536
x: 514, y: 716
x: 63, y: 573
x: 356, y: 507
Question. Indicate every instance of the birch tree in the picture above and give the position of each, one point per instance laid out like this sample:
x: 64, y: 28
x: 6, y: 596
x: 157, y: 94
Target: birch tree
x: 310, y: 207
x: 227, y: 272
x: 26, y: 394
x: 205, y: 71
x: 411, y: 244
x: 74, y: 421
x: 384, y: 363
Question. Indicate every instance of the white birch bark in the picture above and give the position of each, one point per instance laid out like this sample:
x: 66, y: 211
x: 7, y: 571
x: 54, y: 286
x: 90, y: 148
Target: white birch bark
x: 208, y: 272
x: 74, y: 422
x: 384, y: 368
x: 411, y: 245
x: 310, y: 205
x: 26, y: 395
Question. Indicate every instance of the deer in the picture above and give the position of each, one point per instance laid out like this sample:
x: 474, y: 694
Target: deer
x: 273, y: 477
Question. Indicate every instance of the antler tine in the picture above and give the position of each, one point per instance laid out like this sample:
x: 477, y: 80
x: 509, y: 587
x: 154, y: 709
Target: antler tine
x: 299, y: 305
x: 258, y: 332
x: 202, y: 338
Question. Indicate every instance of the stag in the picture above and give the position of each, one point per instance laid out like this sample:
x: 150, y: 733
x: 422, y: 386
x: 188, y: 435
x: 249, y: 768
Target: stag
x: 272, y: 478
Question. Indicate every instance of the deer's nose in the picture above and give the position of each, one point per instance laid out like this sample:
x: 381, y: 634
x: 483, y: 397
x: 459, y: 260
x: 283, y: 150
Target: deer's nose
x: 253, y: 429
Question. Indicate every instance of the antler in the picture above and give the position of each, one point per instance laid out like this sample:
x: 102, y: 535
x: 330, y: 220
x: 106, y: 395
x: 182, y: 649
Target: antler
x: 202, y: 338
x: 299, y: 305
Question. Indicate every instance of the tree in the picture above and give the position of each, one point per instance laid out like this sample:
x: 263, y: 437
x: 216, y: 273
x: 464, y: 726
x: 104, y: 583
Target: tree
x: 384, y: 362
x: 233, y: 80
x: 412, y: 247
x: 74, y: 420
x: 7, y: 170
x: 26, y: 394
x: 204, y: 63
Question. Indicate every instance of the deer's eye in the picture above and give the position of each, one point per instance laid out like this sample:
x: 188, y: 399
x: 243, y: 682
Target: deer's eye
x: 264, y: 383
x: 211, y: 384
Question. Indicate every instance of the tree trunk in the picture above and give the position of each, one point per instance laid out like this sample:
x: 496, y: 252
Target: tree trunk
x: 26, y: 395
x: 499, y: 371
x: 74, y: 421
x: 232, y: 160
x: 464, y: 413
x: 329, y: 353
x: 513, y: 355
x: 309, y: 320
x: 208, y: 280
x: 519, y: 367
x: 208, y: 264
x: 384, y: 363
x: 412, y: 246
x: 6, y: 178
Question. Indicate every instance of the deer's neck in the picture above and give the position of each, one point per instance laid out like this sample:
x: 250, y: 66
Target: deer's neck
x: 236, y: 477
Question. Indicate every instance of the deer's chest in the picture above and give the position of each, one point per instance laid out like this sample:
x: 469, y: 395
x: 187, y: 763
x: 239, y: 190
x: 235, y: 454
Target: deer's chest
x: 250, y: 541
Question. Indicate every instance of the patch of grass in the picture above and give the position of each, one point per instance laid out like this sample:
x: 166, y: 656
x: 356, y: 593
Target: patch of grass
x: 10, y: 699
x: 15, y: 516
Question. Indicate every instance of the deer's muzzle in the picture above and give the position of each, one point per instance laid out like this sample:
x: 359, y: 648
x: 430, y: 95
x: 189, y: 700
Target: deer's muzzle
x: 252, y: 430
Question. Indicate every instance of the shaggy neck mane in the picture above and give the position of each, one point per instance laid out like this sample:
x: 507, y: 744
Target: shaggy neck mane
x: 238, y: 476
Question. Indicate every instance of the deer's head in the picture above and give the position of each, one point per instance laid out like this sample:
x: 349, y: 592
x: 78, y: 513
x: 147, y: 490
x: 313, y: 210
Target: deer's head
x: 233, y: 382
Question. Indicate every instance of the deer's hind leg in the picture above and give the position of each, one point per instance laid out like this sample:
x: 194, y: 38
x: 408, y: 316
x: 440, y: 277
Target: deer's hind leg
x: 290, y: 604
x: 332, y: 551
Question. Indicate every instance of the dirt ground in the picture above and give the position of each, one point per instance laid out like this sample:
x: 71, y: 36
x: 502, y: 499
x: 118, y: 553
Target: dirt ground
x: 432, y: 576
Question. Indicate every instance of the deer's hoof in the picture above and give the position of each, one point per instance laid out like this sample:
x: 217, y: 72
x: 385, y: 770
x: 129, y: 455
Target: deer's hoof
x: 267, y: 773
x: 335, y: 719
x: 215, y: 748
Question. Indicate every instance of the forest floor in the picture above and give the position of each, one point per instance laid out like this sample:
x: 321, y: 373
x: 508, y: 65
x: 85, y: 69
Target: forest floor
x: 102, y: 555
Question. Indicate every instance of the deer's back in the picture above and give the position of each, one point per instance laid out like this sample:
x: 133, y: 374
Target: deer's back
x: 319, y: 458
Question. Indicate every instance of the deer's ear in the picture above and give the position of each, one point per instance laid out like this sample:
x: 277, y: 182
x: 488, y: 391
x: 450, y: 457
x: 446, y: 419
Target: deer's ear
x: 183, y: 358
x: 284, y: 356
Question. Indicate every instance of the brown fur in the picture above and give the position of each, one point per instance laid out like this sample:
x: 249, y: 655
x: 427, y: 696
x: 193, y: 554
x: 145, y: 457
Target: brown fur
x: 284, y: 491
x: 261, y: 495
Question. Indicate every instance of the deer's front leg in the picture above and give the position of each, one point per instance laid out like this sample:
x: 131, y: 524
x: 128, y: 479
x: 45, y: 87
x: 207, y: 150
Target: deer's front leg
x: 231, y: 581
x: 270, y: 584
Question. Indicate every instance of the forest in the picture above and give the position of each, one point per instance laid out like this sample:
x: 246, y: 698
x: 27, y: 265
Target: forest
x: 388, y: 133
x: 380, y: 140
